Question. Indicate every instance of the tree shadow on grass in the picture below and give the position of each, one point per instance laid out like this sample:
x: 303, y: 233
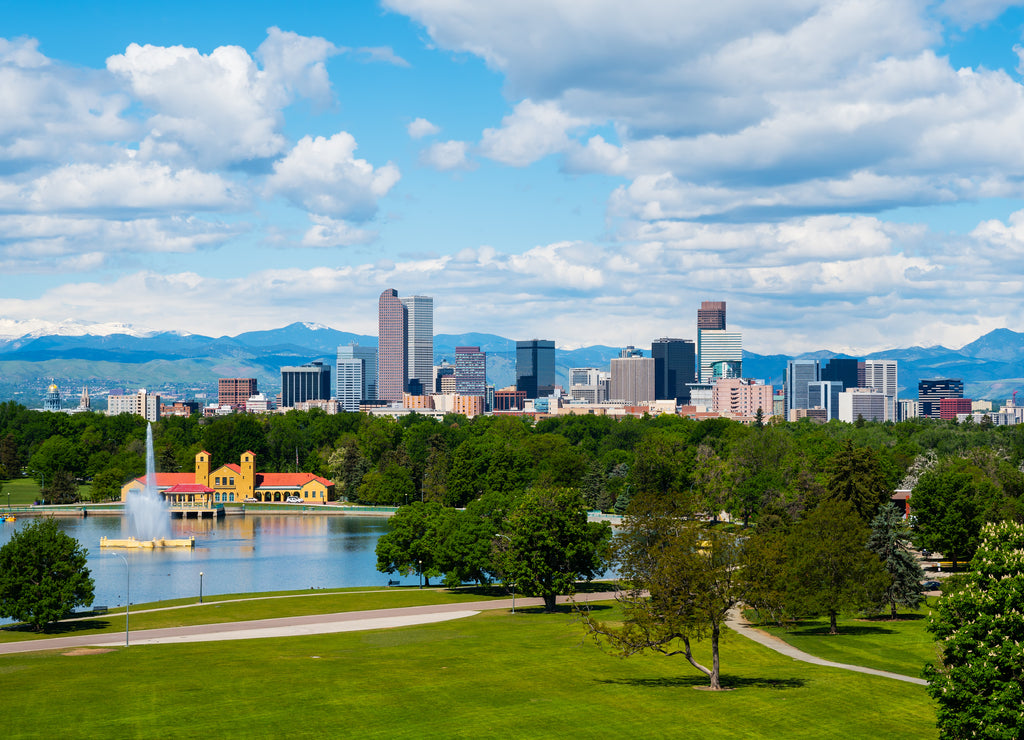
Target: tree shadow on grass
x: 899, y: 618
x: 817, y: 628
x: 564, y: 608
x: 728, y: 682
x: 59, y: 628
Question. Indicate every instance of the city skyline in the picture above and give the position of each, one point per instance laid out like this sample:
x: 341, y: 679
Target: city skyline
x: 588, y: 174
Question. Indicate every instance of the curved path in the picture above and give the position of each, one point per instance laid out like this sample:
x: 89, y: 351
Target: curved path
x: 312, y: 624
x: 737, y: 623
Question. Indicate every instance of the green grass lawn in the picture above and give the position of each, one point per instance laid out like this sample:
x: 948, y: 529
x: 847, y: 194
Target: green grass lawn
x: 494, y: 675
x: 901, y: 646
x: 239, y: 607
x: 25, y: 491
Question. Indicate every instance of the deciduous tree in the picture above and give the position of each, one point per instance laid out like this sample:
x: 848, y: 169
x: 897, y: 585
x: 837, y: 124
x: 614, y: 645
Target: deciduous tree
x: 979, y: 685
x: 43, y: 575
x: 683, y: 578
x: 547, y: 544
x: 829, y: 569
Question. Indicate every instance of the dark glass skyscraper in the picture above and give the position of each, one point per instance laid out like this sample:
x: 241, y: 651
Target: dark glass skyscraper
x: 309, y: 382
x: 711, y: 315
x: 931, y: 392
x: 842, y: 370
x: 675, y: 362
x: 535, y: 367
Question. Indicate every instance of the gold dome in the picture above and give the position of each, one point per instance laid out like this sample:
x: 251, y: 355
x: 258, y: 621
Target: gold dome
x: 52, y: 388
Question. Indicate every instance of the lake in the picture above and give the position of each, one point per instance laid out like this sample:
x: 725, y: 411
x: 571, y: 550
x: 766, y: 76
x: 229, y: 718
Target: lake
x: 253, y: 552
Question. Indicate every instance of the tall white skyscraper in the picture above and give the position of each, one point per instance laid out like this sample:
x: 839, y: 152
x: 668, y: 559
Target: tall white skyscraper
x: 719, y: 345
x: 881, y: 376
x: 419, y: 354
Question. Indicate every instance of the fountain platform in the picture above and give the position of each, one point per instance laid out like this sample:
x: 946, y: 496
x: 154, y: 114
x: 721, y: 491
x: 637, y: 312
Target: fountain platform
x: 133, y: 544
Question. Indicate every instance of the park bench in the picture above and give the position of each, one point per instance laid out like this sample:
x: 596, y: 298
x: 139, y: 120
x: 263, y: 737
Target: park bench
x: 394, y: 583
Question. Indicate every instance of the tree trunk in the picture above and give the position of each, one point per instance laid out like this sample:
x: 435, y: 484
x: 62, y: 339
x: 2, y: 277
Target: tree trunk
x: 893, y: 604
x: 549, y: 602
x: 832, y: 629
x: 716, y: 684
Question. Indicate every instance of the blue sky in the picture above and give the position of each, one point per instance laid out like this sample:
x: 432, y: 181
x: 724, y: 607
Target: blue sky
x: 846, y: 175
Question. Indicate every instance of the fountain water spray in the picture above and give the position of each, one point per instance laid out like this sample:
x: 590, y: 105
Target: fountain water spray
x: 148, y: 515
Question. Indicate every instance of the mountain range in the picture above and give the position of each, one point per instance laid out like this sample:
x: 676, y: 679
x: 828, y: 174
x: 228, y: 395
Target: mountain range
x: 102, y: 357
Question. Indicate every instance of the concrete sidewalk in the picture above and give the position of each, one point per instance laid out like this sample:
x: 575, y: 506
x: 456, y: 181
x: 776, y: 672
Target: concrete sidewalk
x: 311, y: 624
x: 736, y: 622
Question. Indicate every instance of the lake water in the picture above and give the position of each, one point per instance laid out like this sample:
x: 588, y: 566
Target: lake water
x: 254, y: 552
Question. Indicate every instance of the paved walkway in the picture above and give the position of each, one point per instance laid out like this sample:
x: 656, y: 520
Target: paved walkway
x: 736, y: 622
x: 313, y: 624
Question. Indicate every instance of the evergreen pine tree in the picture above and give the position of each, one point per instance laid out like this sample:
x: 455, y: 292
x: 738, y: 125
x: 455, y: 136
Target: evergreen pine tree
x: 889, y: 539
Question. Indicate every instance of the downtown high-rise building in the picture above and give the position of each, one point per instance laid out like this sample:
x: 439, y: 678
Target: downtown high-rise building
x: 632, y: 380
x: 535, y: 367
x: 711, y: 315
x: 419, y: 343
x: 881, y: 375
x: 930, y: 393
x: 470, y: 371
x: 391, y: 347
x: 675, y: 362
x: 824, y: 394
x: 720, y: 354
x: 845, y: 370
x: 799, y: 375
x: 356, y: 376
x: 309, y: 382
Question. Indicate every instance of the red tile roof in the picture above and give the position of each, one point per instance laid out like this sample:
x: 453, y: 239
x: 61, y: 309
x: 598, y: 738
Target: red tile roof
x: 188, y: 488
x: 165, y: 480
x: 288, y: 479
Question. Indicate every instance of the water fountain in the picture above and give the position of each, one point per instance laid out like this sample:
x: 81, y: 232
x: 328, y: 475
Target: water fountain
x: 149, y: 519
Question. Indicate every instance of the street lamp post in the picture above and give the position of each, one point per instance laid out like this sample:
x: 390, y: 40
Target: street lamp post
x: 419, y: 568
x: 128, y: 594
x: 200, y: 587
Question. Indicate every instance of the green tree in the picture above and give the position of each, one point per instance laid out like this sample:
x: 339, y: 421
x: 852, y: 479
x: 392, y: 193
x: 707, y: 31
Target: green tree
x: 979, y: 684
x: 682, y: 581
x: 412, y: 542
x: 829, y: 569
x: 547, y: 544
x: 43, y: 575
x: 857, y: 476
x: 945, y: 504
x: 890, y: 541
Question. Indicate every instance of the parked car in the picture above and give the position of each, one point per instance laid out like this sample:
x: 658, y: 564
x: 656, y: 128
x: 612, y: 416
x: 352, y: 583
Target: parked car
x: 294, y: 500
x: 931, y: 585
x: 250, y: 501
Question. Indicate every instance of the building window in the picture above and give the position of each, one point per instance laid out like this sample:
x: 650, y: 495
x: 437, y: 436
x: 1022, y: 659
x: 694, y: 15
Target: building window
x: 232, y: 497
x: 232, y: 482
x: 216, y: 497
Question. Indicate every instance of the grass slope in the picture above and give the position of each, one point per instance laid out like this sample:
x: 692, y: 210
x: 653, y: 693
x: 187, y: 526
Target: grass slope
x: 494, y: 675
x: 901, y: 646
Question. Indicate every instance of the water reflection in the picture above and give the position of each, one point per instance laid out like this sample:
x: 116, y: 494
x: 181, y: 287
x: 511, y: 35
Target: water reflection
x: 255, y: 552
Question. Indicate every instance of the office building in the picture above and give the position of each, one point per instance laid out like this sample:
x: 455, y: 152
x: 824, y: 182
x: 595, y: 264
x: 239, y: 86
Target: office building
x: 843, y: 370
x: 392, y: 370
x: 235, y: 392
x: 535, y: 367
x: 741, y: 397
x: 309, y: 382
x: 863, y: 403
x: 931, y: 392
x: 719, y: 346
x: 675, y: 362
x: 419, y: 347
x: 632, y: 380
x: 882, y: 376
x: 711, y: 315
x: 631, y: 351
x: 142, y: 403
x: 799, y: 373
x: 950, y: 407
x: 441, y: 372
x: 355, y: 376
x: 589, y: 384
x: 470, y: 371
x: 824, y: 394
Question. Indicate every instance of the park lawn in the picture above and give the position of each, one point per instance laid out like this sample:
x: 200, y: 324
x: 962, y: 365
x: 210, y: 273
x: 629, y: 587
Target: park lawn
x: 241, y: 607
x: 493, y: 675
x: 25, y: 492
x: 901, y: 646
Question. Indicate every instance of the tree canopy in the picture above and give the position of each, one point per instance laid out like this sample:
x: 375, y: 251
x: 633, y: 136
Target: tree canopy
x: 979, y: 684
x: 43, y: 575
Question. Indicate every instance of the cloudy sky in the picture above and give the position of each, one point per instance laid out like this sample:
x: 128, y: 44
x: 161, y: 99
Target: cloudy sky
x: 846, y: 175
